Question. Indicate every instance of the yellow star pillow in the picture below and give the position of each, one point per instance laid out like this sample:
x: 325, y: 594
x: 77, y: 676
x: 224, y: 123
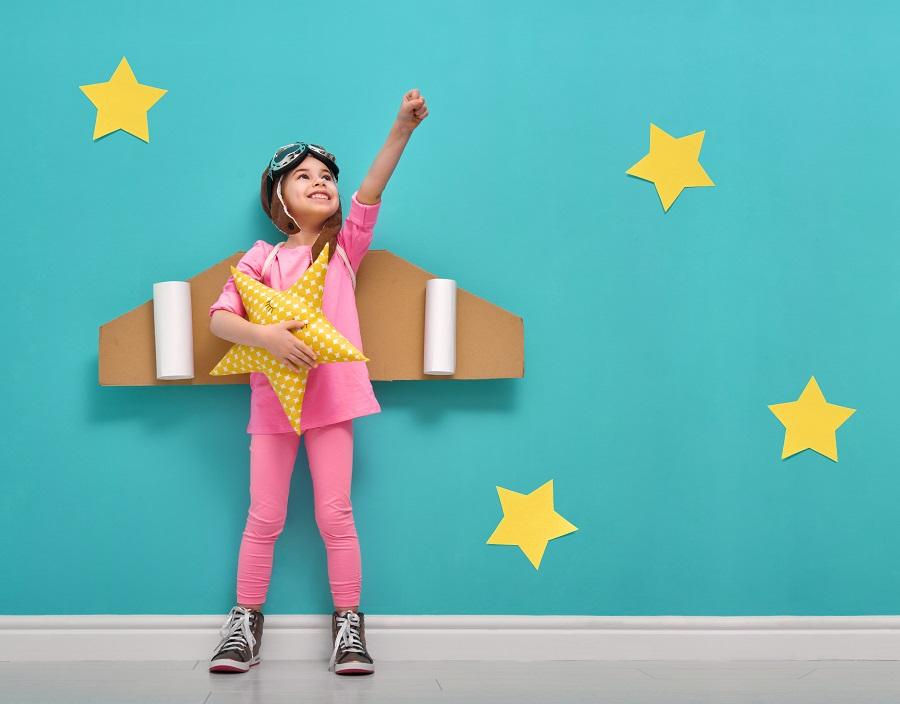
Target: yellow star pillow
x: 302, y: 301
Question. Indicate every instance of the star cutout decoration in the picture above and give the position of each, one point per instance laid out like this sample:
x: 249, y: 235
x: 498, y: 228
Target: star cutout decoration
x: 672, y: 164
x: 122, y: 103
x: 811, y: 422
x: 529, y: 521
x: 302, y: 301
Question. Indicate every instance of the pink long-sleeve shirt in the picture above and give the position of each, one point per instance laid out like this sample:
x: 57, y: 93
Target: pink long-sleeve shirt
x: 335, y: 391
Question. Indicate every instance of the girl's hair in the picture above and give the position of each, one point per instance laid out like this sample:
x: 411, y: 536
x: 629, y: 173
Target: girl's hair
x: 285, y: 224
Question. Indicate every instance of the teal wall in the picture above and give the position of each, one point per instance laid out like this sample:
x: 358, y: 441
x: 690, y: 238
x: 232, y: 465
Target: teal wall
x: 675, y: 330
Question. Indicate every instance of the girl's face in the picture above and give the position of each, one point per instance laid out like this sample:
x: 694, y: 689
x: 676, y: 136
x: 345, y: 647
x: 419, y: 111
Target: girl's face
x: 309, y: 191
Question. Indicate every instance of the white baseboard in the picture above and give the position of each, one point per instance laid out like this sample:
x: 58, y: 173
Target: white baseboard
x: 308, y: 637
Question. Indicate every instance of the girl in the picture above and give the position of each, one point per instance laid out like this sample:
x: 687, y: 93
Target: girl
x: 299, y: 194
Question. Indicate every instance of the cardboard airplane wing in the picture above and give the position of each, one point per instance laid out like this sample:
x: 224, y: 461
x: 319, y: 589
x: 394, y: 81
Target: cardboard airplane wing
x: 390, y: 298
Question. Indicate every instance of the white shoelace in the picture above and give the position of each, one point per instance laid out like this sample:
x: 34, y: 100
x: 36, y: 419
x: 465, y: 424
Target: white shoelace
x: 347, y: 635
x: 235, y: 632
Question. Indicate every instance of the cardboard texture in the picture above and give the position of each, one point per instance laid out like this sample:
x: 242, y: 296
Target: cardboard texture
x: 390, y: 298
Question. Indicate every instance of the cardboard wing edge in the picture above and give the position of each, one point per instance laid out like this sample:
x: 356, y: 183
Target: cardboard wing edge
x: 391, y: 302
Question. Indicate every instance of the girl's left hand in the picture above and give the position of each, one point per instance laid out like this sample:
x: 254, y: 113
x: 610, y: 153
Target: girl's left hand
x: 412, y: 111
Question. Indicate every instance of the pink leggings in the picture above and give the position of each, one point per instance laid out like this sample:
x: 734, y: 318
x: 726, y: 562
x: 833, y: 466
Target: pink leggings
x: 330, y: 453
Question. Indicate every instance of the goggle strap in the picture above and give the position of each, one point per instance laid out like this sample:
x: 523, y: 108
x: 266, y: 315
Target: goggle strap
x: 284, y: 206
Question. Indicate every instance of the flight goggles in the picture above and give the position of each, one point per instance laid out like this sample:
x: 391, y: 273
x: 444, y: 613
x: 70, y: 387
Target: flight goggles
x: 292, y: 154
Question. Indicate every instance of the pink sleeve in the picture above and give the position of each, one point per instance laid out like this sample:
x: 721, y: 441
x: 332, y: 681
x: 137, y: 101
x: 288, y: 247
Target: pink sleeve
x: 251, y: 264
x: 356, y: 234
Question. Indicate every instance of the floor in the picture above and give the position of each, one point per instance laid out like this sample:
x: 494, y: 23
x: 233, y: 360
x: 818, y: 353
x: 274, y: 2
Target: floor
x: 473, y: 682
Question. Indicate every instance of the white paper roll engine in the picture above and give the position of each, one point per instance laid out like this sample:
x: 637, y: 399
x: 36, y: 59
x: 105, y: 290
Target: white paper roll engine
x: 440, y: 327
x: 173, y: 330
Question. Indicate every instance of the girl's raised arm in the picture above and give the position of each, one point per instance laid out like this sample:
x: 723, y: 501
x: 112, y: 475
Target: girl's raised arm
x: 412, y: 111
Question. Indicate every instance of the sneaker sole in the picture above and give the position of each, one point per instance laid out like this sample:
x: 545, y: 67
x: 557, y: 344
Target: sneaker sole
x: 228, y: 665
x: 355, y: 668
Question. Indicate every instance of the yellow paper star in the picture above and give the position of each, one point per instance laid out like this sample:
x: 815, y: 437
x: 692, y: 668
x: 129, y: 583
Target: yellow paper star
x: 529, y: 521
x: 302, y: 301
x: 811, y: 422
x: 672, y: 164
x: 122, y: 103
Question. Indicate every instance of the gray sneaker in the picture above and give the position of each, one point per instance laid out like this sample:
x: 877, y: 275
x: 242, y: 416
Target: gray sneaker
x: 350, y: 656
x: 238, y: 650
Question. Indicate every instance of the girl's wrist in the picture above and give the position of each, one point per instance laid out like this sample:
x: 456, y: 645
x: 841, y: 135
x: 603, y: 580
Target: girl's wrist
x: 400, y: 130
x: 259, y: 334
